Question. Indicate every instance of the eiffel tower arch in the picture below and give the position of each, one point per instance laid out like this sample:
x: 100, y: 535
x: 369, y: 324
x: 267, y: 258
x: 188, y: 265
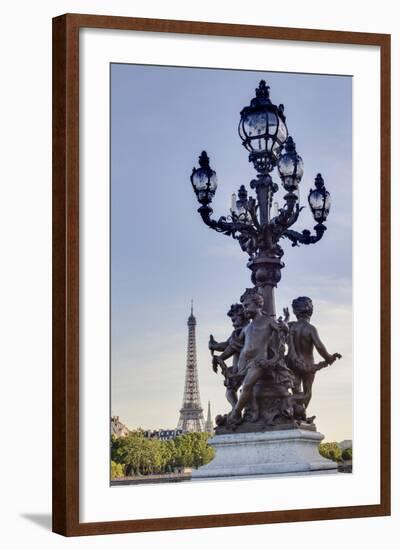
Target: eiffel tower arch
x: 191, y: 417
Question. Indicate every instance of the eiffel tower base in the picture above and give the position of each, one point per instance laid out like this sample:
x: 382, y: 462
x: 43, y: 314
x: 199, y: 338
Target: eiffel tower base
x: 279, y: 452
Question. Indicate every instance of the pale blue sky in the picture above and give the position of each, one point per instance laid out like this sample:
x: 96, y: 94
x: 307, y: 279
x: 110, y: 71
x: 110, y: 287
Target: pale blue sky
x: 162, y: 254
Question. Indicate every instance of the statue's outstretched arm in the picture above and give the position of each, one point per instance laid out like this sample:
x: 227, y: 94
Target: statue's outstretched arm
x: 235, y: 344
x: 320, y: 347
x: 213, y: 345
x: 227, y: 352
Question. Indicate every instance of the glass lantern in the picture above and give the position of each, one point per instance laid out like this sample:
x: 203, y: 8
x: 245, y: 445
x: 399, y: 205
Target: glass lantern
x: 262, y: 129
x: 239, y: 208
x: 290, y: 166
x: 204, y: 180
x: 319, y: 200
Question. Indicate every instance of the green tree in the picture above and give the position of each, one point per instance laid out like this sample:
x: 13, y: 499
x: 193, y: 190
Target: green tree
x: 192, y: 450
x: 347, y: 454
x: 183, y: 451
x: 117, y: 470
x: 203, y: 453
x: 167, y: 454
x: 133, y: 451
x: 330, y: 450
x: 140, y: 455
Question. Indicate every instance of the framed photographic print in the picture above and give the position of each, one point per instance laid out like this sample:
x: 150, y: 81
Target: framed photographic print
x: 221, y: 274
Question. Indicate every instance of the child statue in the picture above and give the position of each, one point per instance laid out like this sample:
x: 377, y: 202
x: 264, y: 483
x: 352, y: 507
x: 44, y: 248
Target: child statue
x: 230, y: 348
x: 303, y: 338
x: 261, y: 353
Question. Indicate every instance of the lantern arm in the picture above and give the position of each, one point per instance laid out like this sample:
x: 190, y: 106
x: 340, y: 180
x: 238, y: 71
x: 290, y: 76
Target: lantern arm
x: 222, y: 225
x: 305, y: 237
x: 286, y: 218
x: 247, y: 220
x: 253, y: 209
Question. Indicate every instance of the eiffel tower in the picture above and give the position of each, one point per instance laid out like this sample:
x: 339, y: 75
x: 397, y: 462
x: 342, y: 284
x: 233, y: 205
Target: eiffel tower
x: 191, y: 414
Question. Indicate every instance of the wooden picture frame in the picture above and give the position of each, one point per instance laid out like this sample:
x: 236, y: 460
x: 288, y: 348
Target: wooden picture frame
x: 66, y: 273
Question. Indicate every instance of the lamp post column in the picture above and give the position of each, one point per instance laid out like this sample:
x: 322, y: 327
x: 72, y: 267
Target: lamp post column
x: 266, y: 274
x: 266, y: 265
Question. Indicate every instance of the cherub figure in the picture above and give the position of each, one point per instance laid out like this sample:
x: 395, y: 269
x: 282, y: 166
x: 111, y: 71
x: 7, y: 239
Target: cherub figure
x: 303, y: 338
x: 259, y: 353
x: 230, y: 348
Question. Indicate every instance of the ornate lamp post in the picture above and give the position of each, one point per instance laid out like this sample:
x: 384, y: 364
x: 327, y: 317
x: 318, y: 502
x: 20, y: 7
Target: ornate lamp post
x: 272, y: 365
x: 253, y: 222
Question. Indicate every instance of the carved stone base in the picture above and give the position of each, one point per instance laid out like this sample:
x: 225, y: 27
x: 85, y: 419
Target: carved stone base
x: 273, y: 452
x: 260, y: 426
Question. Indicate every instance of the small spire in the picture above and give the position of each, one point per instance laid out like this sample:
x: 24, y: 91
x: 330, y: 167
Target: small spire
x: 319, y: 181
x: 209, y: 423
x: 192, y: 318
x: 204, y: 161
x: 242, y: 193
x: 260, y: 100
x: 290, y: 145
x: 262, y: 90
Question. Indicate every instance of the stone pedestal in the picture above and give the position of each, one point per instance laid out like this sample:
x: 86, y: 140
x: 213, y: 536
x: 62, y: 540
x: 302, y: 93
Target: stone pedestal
x: 263, y: 453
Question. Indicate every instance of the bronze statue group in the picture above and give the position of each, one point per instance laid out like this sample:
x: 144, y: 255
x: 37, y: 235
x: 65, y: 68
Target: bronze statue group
x: 269, y: 383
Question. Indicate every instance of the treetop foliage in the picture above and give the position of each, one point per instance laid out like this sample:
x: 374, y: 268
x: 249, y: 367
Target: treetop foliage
x: 333, y: 451
x: 137, y: 454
